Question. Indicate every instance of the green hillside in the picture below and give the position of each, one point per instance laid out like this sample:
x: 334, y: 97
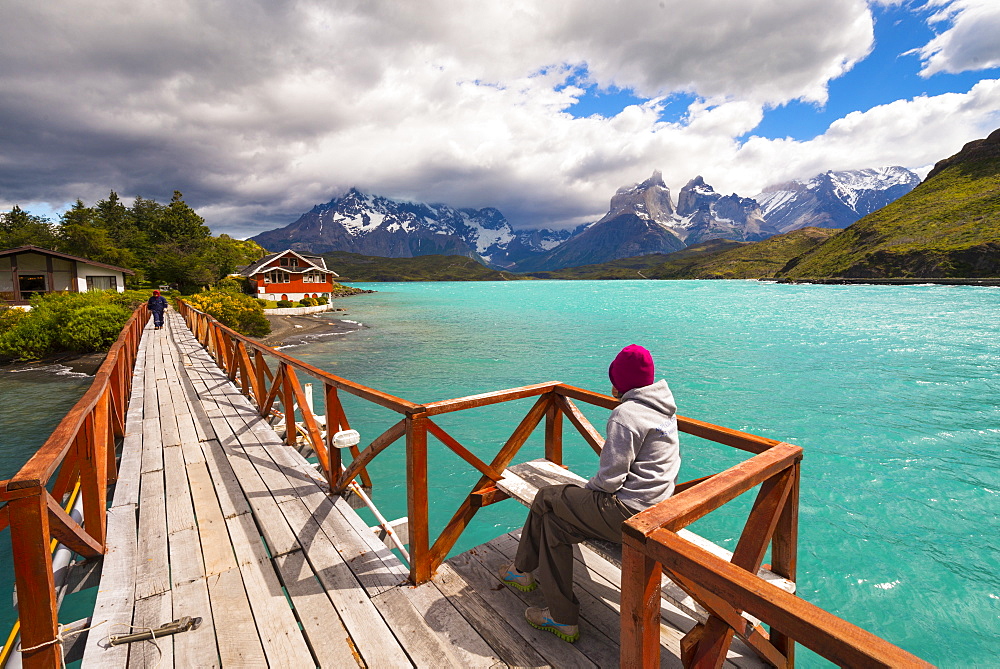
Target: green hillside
x: 357, y: 267
x: 714, y: 259
x: 947, y: 227
x: 757, y: 260
x: 643, y: 267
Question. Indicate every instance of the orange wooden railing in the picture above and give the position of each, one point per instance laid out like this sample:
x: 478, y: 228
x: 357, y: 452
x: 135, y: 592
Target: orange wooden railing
x: 724, y: 589
x: 80, y: 449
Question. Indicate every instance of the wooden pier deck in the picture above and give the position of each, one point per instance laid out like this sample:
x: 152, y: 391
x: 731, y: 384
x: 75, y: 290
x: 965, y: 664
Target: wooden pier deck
x: 214, y: 517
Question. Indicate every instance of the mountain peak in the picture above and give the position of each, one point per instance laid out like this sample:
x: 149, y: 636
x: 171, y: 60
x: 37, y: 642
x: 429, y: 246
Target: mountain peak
x: 655, y: 180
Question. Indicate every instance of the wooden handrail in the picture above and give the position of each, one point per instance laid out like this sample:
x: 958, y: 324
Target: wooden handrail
x: 826, y: 634
x: 81, y: 447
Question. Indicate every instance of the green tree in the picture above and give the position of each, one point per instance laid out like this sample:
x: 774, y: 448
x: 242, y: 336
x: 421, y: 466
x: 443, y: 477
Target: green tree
x: 19, y: 228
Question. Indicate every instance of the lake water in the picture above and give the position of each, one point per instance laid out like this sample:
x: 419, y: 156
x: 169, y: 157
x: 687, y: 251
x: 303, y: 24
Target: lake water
x: 891, y: 391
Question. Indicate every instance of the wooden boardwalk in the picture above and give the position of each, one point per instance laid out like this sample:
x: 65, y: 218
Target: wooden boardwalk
x: 214, y: 517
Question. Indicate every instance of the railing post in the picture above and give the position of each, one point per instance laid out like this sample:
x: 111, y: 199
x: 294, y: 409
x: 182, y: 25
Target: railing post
x: 93, y: 454
x: 640, y: 607
x: 288, y: 406
x: 784, y: 554
x: 36, y: 597
x: 416, y: 497
x: 332, y: 426
x: 554, y: 432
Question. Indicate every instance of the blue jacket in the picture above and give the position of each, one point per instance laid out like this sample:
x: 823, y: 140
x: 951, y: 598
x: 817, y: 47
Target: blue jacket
x: 157, y: 303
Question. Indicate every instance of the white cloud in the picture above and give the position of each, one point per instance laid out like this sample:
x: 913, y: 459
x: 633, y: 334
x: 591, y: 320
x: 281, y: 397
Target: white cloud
x: 259, y: 110
x: 970, y: 41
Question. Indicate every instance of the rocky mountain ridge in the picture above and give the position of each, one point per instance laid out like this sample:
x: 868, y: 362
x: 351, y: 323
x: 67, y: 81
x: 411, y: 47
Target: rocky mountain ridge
x: 641, y: 219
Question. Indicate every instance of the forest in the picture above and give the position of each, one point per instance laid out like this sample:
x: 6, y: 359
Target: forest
x: 162, y: 243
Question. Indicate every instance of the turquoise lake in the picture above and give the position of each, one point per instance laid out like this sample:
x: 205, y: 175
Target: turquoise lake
x: 891, y: 391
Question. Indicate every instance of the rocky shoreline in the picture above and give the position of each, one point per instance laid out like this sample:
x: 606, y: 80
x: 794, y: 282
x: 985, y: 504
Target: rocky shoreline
x: 294, y: 330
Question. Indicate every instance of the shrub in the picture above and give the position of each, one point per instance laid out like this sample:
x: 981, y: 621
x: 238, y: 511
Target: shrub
x: 236, y: 310
x: 322, y: 300
x: 27, y: 339
x: 232, y: 284
x: 307, y: 302
x: 284, y: 304
x: 93, y: 328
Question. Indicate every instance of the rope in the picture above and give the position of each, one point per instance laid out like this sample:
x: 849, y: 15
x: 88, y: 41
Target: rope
x: 60, y: 638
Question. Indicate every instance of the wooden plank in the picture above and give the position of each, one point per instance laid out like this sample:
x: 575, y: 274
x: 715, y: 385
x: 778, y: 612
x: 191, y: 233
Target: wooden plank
x: 115, y: 595
x: 152, y: 570
x: 216, y: 547
x: 373, y: 638
x: 195, y: 648
x: 276, y: 624
x: 235, y: 631
x: 227, y: 486
x: 325, y: 632
x: 152, y: 449
x: 180, y: 510
x: 129, y: 468
x: 431, y: 630
x: 503, y: 638
x: 510, y: 607
x: 151, y: 612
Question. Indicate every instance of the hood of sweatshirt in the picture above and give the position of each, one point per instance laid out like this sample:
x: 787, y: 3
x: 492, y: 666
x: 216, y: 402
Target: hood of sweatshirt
x: 656, y: 396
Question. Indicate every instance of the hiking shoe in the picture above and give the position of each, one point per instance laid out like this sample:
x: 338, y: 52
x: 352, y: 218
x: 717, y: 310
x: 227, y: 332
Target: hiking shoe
x: 540, y: 619
x: 524, y: 582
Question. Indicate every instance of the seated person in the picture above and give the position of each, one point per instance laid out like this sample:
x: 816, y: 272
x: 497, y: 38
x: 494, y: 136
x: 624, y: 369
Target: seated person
x: 638, y: 469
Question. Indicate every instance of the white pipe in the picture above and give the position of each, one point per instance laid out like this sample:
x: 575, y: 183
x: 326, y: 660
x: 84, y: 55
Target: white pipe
x: 381, y: 519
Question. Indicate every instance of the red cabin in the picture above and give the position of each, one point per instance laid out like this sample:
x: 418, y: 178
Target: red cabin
x: 288, y: 275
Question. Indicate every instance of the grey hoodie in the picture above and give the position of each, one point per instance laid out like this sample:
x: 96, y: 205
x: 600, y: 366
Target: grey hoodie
x: 641, y: 456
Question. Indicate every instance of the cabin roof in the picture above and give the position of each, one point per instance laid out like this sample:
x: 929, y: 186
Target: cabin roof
x: 313, y: 262
x: 30, y: 248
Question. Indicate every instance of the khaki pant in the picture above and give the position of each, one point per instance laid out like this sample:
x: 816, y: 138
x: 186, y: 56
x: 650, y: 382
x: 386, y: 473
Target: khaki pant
x: 560, y: 516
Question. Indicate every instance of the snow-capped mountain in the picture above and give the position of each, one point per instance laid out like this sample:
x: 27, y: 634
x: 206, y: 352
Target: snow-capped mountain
x: 642, y: 219
x: 702, y: 214
x: 832, y: 199
x: 378, y: 226
x: 637, y: 223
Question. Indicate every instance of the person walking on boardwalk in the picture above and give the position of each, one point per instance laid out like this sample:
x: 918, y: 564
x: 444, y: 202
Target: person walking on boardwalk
x: 157, y: 304
x: 638, y: 469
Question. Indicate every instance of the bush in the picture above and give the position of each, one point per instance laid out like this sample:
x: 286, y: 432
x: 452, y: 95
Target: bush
x: 307, y: 302
x: 284, y: 304
x: 322, y: 300
x: 28, y: 339
x: 233, y: 284
x: 93, y: 328
x: 236, y: 310
x: 80, y: 322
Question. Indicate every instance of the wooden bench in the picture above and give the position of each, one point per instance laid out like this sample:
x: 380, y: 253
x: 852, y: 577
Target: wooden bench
x: 522, y: 482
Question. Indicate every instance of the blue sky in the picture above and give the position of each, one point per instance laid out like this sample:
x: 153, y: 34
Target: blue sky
x: 257, y: 111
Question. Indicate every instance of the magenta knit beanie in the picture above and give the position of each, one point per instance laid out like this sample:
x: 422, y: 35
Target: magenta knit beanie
x: 631, y: 368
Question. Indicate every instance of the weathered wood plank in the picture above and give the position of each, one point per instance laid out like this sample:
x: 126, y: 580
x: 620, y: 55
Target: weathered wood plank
x: 195, y: 648
x: 508, y: 606
x: 235, y: 631
x: 180, y: 510
x: 373, y: 637
x: 152, y: 571
x: 215, y: 544
x: 503, y: 638
x: 227, y: 485
x: 152, y: 449
x: 325, y: 632
x: 276, y: 624
x: 151, y: 612
x: 116, y: 594
x: 431, y: 629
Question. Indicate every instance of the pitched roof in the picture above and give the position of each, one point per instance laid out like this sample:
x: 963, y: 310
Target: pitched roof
x: 29, y: 248
x: 311, y: 262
